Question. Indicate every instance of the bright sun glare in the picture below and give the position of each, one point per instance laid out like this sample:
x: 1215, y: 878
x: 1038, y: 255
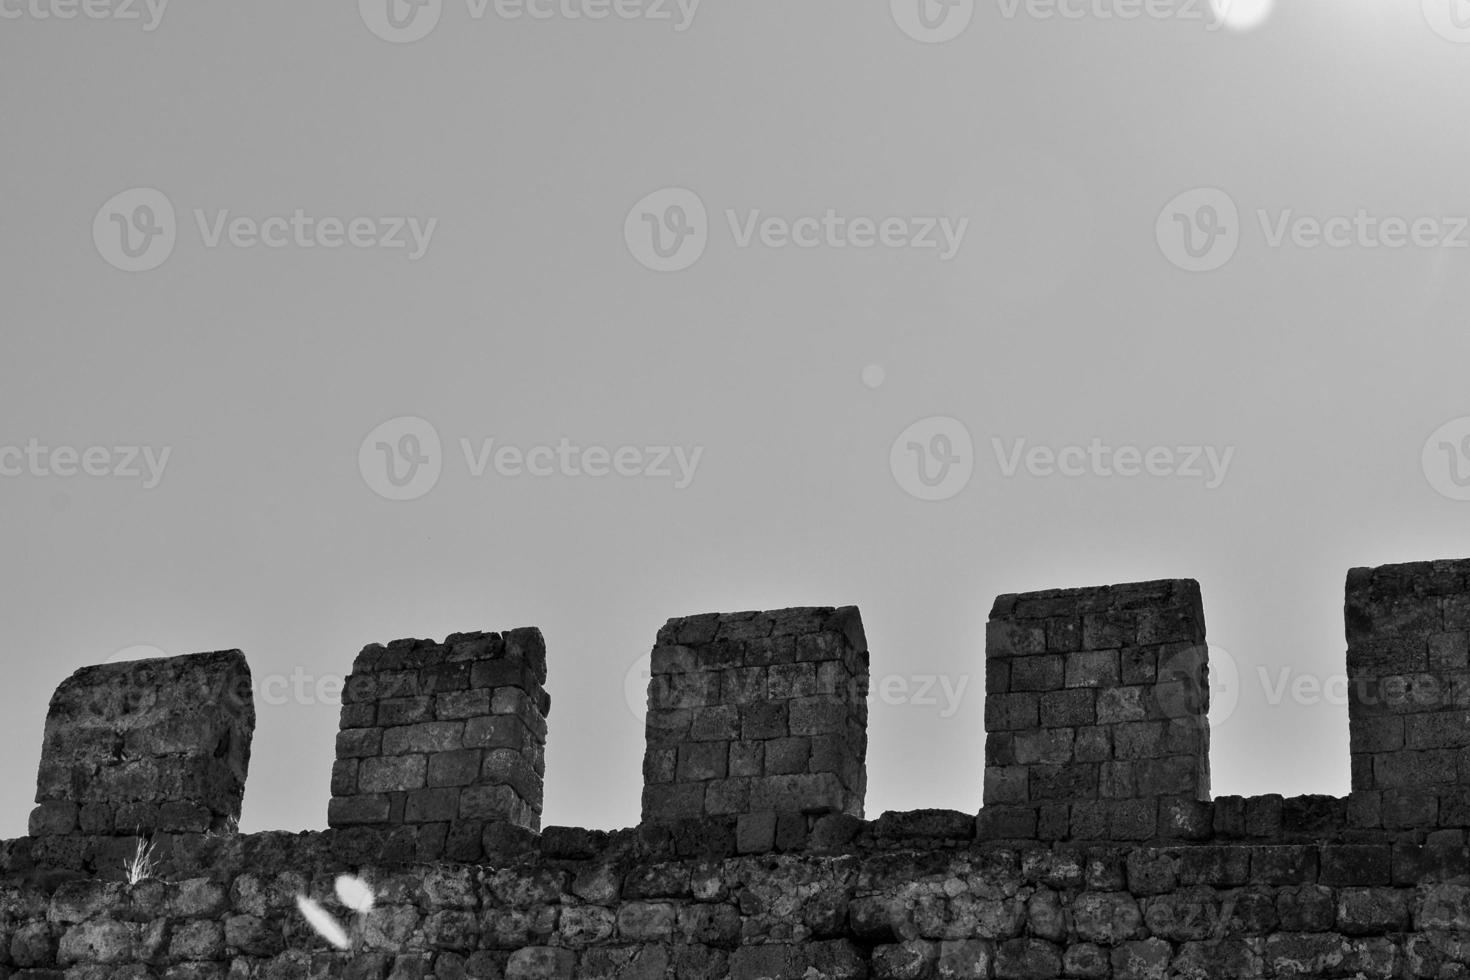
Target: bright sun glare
x: 1242, y: 15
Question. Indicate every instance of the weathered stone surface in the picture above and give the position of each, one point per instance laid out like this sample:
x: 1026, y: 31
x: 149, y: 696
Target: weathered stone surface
x: 763, y: 712
x: 444, y: 737
x: 1100, y: 695
x: 756, y: 868
x: 167, y: 736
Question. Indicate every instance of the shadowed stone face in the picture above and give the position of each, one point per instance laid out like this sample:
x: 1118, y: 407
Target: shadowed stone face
x: 1096, y: 704
x: 145, y: 745
x: 1095, y: 857
x: 759, y: 717
x: 445, y: 738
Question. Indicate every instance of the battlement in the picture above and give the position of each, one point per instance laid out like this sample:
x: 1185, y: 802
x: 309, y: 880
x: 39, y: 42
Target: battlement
x: 1096, y: 704
x: 1098, y: 852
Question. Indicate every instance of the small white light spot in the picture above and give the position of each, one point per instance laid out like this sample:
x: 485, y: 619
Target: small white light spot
x: 874, y: 375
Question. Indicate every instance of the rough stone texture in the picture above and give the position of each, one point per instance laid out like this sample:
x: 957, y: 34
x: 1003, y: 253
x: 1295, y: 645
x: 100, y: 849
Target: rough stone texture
x: 760, y: 716
x: 145, y: 745
x: 447, y: 738
x: 1095, y: 707
x: 1408, y: 633
x: 1375, y: 885
x: 572, y: 903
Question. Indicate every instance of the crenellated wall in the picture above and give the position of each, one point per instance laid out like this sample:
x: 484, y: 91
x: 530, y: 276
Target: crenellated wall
x: 759, y: 716
x: 447, y: 738
x: 1098, y: 853
x: 1095, y: 702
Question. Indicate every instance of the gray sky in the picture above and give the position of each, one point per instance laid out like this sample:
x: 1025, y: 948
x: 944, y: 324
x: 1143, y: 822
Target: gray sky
x: 531, y: 155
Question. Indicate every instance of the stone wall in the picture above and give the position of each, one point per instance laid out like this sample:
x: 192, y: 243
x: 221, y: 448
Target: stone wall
x: 1408, y: 632
x: 1096, y: 703
x: 761, y: 716
x: 145, y: 745
x: 1166, y: 883
x: 909, y: 895
x: 446, y: 737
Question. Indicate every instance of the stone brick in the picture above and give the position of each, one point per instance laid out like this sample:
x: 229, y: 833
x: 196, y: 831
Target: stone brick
x: 1093, y: 668
x: 786, y: 756
x: 747, y: 758
x: 755, y: 833
x: 702, y: 760
x: 1037, y: 673
x: 431, y: 736
x: 496, y: 732
x: 1011, y: 712
x: 405, y: 711
x: 1068, y: 708
x: 1351, y: 864
x: 454, y: 768
x: 431, y: 805
x: 387, y: 774
x: 1052, y: 746
x: 764, y: 720
x: 1028, y: 959
x: 718, y: 723
x: 811, y: 793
